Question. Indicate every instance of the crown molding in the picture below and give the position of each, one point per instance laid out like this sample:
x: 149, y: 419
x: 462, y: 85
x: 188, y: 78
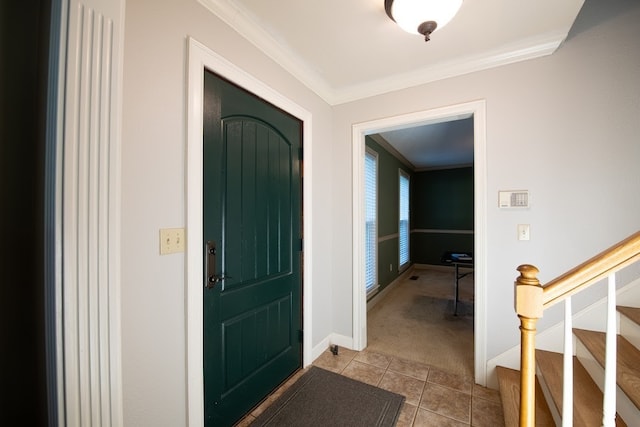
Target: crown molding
x: 244, y: 24
x: 522, y: 51
x: 392, y: 150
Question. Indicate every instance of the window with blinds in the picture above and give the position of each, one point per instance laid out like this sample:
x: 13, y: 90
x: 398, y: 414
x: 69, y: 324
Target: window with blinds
x: 403, y: 229
x: 371, y: 220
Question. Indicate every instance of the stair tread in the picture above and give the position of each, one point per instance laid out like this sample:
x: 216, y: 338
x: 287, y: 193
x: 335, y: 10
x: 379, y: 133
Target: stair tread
x: 632, y: 313
x: 509, y: 382
x: 627, y: 372
x: 587, y: 397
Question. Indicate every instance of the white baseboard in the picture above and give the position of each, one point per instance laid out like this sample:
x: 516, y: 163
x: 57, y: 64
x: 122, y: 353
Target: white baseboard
x: 552, y: 339
x: 320, y: 348
x: 439, y: 267
x: 329, y: 340
x: 342, y: 341
x: 508, y: 359
x: 380, y: 295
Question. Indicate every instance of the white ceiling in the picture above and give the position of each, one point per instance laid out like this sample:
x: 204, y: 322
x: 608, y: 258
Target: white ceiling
x: 347, y: 50
x: 437, y: 145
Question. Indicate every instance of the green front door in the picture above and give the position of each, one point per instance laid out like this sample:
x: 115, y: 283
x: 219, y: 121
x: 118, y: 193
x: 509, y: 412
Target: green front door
x: 252, y: 215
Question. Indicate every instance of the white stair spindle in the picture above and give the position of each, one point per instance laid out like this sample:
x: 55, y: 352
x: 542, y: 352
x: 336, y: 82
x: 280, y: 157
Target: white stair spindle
x: 567, y: 388
x: 609, y: 403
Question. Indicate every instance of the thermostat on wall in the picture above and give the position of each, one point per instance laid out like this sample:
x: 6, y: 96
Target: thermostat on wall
x: 513, y: 199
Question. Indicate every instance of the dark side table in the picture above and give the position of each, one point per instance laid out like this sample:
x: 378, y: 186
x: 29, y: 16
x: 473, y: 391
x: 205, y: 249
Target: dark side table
x: 458, y: 259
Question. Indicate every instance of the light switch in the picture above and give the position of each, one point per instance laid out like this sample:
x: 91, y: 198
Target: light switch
x: 171, y: 240
x: 523, y: 231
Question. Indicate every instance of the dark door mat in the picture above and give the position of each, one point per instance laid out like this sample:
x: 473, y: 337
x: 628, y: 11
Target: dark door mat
x: 414, y: 277
x: 323, y: 398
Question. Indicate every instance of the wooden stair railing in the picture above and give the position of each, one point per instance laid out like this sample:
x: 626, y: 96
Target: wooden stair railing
x: 532, y: 298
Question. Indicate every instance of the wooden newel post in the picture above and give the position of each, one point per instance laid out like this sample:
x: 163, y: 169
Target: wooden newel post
x: 528, y: 305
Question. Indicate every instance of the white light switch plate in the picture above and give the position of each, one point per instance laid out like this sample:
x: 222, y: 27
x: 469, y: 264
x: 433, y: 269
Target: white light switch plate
x: 171, y: 240
x: 523, y: 232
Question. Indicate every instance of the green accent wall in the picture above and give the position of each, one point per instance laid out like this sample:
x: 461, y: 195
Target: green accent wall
x: 387, y: 255
x: 441, y: 200
x: 388, y: 199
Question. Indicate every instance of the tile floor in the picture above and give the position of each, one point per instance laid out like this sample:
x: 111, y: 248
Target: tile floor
x: 433, y: 397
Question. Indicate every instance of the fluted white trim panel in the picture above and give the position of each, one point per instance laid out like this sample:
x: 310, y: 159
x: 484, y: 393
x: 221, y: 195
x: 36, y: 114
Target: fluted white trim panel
x: 91, y: 194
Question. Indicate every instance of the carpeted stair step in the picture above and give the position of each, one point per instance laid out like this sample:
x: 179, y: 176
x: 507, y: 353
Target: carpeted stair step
x: 587, y: 397
x: 509, y: 383
x: 630, y: 324
x: 591, y: 348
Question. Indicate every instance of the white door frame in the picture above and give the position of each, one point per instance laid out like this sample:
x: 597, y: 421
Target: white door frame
x: 359, y: 131
x: 199, y: 58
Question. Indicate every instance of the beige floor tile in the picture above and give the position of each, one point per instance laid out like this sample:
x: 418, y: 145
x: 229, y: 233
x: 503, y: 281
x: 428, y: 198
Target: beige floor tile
x: 264, y: 405
x: 447, y: 402
x: 441, y: 404
x: 411, y: 388
x: 363, y: 372
x: 246, y: 421
x: 410, y: 368
x: 407, y: 415
x: 276, y: 394
x: 486, y: 413
x: 375, y: 359
x: 426, y: 418
x: 485, y: 393
x: 456, y: 382
x: 335, y: 363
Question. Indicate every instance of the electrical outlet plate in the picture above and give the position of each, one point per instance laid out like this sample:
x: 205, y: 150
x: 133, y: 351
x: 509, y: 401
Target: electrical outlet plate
x: 171, y: 240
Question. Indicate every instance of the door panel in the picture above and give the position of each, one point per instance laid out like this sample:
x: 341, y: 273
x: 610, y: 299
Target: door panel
x: 252, y: 196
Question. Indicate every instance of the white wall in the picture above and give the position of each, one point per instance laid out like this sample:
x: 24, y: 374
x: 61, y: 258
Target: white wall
x: 153, y: 196
x: 566, y: 127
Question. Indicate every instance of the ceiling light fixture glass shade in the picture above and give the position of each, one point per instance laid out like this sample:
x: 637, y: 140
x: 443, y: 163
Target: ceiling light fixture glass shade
x: 422, y: 16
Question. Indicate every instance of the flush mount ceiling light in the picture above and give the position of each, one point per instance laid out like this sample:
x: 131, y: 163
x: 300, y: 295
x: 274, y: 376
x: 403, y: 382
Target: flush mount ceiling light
x: 422, y: 16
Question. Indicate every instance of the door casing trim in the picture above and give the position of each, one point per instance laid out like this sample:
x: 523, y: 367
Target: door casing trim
x: 359, y: 131
x: 199, y: 58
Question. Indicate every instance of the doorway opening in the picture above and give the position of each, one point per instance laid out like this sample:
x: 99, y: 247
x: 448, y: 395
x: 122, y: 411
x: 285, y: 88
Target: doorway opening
x: 476, y: 110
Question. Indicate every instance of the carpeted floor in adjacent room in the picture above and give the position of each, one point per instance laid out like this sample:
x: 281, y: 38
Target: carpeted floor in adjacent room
x: 415, y: 321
